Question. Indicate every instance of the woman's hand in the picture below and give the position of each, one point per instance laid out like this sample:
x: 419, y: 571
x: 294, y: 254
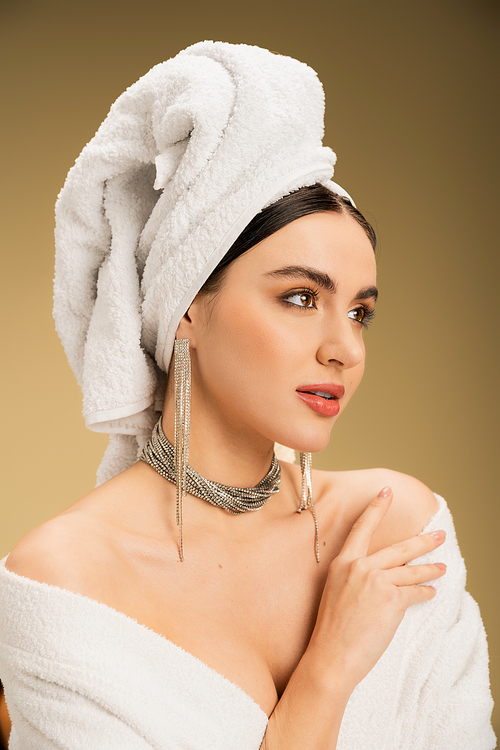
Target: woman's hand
x: 365, y: 596
x: 364, y: 600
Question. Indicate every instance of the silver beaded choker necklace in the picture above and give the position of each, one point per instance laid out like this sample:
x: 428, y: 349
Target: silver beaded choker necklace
x: 159, y: 453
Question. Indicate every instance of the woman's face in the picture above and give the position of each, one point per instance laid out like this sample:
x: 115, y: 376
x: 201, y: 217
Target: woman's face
x: 286, y: 327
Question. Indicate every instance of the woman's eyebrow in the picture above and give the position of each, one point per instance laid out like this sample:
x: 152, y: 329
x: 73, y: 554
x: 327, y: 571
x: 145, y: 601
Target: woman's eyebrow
x: 368, y: 293
x: 320, y: 278
x: 301, y: 272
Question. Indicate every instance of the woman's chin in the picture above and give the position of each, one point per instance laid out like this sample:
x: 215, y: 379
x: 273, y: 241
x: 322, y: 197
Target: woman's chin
x: 310, y: 441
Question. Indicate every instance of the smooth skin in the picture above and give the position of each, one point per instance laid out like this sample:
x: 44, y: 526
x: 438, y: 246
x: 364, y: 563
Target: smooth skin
x: 250, y: 600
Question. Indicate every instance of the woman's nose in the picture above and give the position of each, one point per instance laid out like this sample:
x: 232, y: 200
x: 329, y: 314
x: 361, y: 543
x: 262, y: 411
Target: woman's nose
x: 343, y: 345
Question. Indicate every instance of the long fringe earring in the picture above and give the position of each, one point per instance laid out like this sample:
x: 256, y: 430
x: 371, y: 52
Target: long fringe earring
x: 182, y: 382
x: 306, y: 495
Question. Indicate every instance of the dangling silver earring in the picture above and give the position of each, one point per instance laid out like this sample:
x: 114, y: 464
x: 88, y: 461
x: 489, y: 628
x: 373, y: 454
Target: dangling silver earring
x: 306, y: 495
x: 182, y: 383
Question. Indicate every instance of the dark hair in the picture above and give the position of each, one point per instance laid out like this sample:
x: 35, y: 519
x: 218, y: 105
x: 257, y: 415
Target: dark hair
x: 306, y: 200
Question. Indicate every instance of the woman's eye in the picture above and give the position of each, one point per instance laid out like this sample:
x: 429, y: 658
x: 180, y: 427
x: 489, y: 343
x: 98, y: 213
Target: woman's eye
x: 362, y: 315
x: 358, y: 314
x: 302, y: 299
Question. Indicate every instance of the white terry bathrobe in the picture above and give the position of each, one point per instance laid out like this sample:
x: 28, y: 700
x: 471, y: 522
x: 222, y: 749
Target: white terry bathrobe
x: 80, y: 675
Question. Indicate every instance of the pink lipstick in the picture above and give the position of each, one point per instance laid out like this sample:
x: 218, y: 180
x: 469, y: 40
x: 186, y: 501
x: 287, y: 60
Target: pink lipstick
x: 322, y: 398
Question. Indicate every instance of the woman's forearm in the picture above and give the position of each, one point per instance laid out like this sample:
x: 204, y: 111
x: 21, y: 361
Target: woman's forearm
x: 310, y: 711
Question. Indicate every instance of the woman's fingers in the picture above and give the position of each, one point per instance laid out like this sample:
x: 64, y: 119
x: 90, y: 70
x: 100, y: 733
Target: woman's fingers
x: 409, y: 575
x: 403, y: 552
x: 360, y: 535
x: 415, y: 595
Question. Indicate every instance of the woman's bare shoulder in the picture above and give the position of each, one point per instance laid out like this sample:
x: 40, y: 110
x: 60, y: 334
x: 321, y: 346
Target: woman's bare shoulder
x: 412, y: 506
x: 63, y: 548
x: 53, y: 553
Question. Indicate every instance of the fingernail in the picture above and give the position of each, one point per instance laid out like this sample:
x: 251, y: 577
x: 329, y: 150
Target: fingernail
x: 441, y: 566
x: 438, y: 534
x: 385, y: 492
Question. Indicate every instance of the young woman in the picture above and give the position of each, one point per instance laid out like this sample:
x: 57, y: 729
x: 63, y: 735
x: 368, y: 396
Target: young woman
x: 185, y: 603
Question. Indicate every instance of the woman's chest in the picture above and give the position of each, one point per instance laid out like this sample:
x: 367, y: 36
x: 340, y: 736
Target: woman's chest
x: 249, y: 621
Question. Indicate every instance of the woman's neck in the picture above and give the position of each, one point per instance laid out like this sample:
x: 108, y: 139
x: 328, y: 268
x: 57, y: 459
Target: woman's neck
x: 221, y: 450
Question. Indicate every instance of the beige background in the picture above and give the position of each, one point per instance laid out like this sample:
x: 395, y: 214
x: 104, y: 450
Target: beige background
x: 412, y: 113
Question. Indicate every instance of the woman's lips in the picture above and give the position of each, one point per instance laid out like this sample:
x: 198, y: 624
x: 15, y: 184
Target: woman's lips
x: 329, y: 407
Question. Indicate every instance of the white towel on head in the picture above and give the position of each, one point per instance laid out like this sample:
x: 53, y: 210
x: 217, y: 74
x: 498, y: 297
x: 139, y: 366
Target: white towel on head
x: 186, y: 157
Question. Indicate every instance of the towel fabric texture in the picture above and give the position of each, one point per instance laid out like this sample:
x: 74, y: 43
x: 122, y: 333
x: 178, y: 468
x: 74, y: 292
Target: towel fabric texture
x: 186, y: 157
x: 79, y: 674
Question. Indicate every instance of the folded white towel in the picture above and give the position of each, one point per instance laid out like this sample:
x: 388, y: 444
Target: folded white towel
x: 78, y: 674
x: 186, y: 157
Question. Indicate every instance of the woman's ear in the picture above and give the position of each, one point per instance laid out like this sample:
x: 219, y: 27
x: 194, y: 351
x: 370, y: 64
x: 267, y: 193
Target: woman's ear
x: 192, y: 321
x: 185, y: 329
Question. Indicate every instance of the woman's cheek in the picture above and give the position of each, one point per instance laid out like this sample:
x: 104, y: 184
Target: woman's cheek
x: 252, y: 330
x: 352, y: 381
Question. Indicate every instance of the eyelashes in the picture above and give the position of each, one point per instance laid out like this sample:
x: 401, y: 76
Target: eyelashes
x: 306, y: 300
x: 302, y: 295
x: 368, y: 315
